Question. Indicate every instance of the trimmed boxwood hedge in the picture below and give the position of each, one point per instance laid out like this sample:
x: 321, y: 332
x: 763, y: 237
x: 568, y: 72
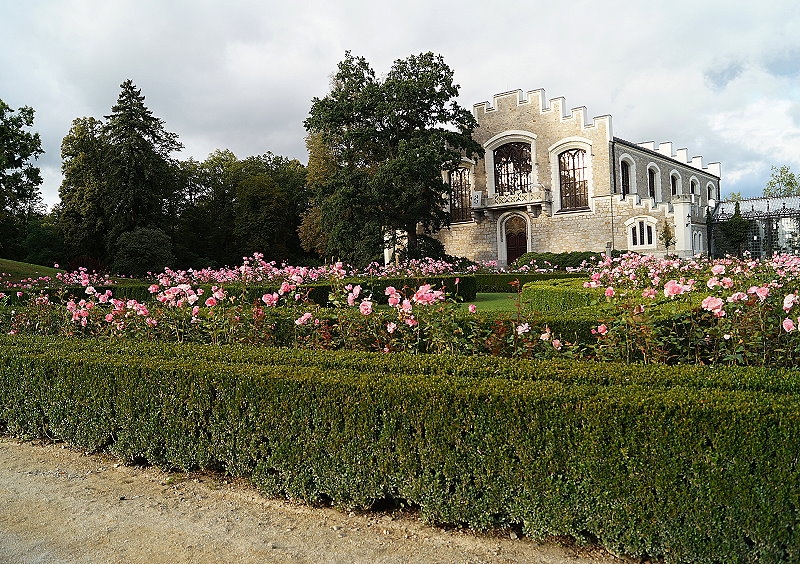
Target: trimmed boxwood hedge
x: 503, y: 282
x: 690, y: 463
x: 559, y: 295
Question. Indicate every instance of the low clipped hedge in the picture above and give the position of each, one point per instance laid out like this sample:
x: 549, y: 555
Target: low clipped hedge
x: 688, y: 463
x: 559, y: 295
x: 506, y: 282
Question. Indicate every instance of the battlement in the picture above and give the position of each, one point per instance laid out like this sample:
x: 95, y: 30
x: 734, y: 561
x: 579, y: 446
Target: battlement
x: 537, y: 101
x: 682, y: 156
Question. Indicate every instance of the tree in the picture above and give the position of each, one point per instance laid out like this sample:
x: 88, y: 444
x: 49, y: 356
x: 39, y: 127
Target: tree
x: 237, y: 207
x: 667, y: 236
x: 736, y: 230
x: 140, y: 168
x: 83, y: 215
x: 19, y: 177
x: 119, y: 175
x: 782, y: 182
x: 391, y: 140
x: 321, y: 167
x: 142, y: 250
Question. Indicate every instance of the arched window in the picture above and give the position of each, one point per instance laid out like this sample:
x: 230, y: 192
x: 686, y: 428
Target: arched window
x: 625, y: 173
x: 641, y: 232
x: 693, y: 186
x: 675, y: 184
x: 653, y: 181
x: 512, y: 168
x: 572, y: 179
x: 460, y: 195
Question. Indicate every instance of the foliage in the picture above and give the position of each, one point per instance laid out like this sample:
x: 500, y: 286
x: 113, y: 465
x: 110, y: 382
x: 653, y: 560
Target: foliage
x: 117, y: 175
x: 735, y: 231
x: 19, y: 178
x: 690, y: 464
x: 391, y: 140
x: 558, y: 261
x: 233, y: 207
x: 782, y: 182
x: 141, y: 251
x: 44, y: 242
x: 667, y: 236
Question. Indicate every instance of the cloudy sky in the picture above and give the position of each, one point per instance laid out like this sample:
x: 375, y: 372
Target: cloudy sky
x: 721, y: 78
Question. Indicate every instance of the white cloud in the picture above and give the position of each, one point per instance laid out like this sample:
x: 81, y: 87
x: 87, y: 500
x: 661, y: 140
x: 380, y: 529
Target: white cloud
x: 241, y: 74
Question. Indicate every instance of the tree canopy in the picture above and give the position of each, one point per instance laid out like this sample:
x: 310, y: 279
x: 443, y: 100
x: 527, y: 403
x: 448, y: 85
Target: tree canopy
x: 391, y: 140
x: 19, y: 177
x: 118, y: 173
x: 782, y: 182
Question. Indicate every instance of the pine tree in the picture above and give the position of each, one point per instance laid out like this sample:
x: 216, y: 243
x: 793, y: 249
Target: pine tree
x: 140, y: 168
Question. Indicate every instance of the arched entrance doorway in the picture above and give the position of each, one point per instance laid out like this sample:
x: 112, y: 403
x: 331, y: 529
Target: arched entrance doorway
x: 516, y: 238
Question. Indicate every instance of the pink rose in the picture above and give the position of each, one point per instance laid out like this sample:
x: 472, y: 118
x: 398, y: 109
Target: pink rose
x: 472, y: 308
x: 788, y: 325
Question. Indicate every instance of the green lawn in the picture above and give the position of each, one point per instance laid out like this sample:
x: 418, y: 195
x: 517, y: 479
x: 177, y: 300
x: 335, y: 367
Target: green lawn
x: 13, y: 271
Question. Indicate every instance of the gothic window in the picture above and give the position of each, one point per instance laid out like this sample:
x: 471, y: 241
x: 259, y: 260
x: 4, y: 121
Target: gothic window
x: 460, y: 195
x: 673, y: 182
x: 641, y: 233
x: 651, y: 182
x: 693, y: 186
x: 572, y: 179
x: 625, y: 173
x: 512, y: 168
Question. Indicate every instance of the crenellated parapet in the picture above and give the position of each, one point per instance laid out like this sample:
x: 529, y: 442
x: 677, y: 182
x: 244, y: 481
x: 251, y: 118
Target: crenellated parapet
x: 536, y: 102
x: 682, y: 156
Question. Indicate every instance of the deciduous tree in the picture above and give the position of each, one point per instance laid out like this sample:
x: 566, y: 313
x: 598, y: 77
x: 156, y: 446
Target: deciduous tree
x: 391, y: 139
x: 782, y: 182
x: 19, y: 177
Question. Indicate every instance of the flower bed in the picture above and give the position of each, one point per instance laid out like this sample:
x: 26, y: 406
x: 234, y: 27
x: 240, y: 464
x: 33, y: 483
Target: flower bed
x: 644, y: 309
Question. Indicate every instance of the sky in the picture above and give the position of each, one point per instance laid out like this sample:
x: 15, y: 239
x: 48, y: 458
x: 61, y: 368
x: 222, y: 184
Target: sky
x: 720, y: 78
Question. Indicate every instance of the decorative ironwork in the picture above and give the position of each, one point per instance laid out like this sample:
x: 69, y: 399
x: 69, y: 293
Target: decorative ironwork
x: 460, y: 195
x: 515, y: 197
x: 572, y: 175
x: 512, y: 168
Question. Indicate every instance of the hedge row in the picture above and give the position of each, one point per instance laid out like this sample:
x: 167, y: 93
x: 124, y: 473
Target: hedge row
x: 559, y: 295
x: 318, y: 293
x: 694, y: 473
x: 504, y: 282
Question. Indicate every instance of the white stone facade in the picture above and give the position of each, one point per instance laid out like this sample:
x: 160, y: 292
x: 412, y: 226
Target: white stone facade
x: 553, y: 181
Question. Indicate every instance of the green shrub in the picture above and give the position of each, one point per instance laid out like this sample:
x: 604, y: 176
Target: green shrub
x: 689, y: 463
x: 559, y: 295
x: 503, y: 282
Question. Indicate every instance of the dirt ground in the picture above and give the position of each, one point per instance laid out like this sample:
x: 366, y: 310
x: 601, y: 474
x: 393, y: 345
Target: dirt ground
x: 61, y: 506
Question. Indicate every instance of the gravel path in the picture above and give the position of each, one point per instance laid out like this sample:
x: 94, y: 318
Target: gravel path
x: 60, y: 506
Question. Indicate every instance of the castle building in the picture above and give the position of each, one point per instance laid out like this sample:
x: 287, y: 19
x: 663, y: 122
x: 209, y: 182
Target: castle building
x: 553, y: 181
